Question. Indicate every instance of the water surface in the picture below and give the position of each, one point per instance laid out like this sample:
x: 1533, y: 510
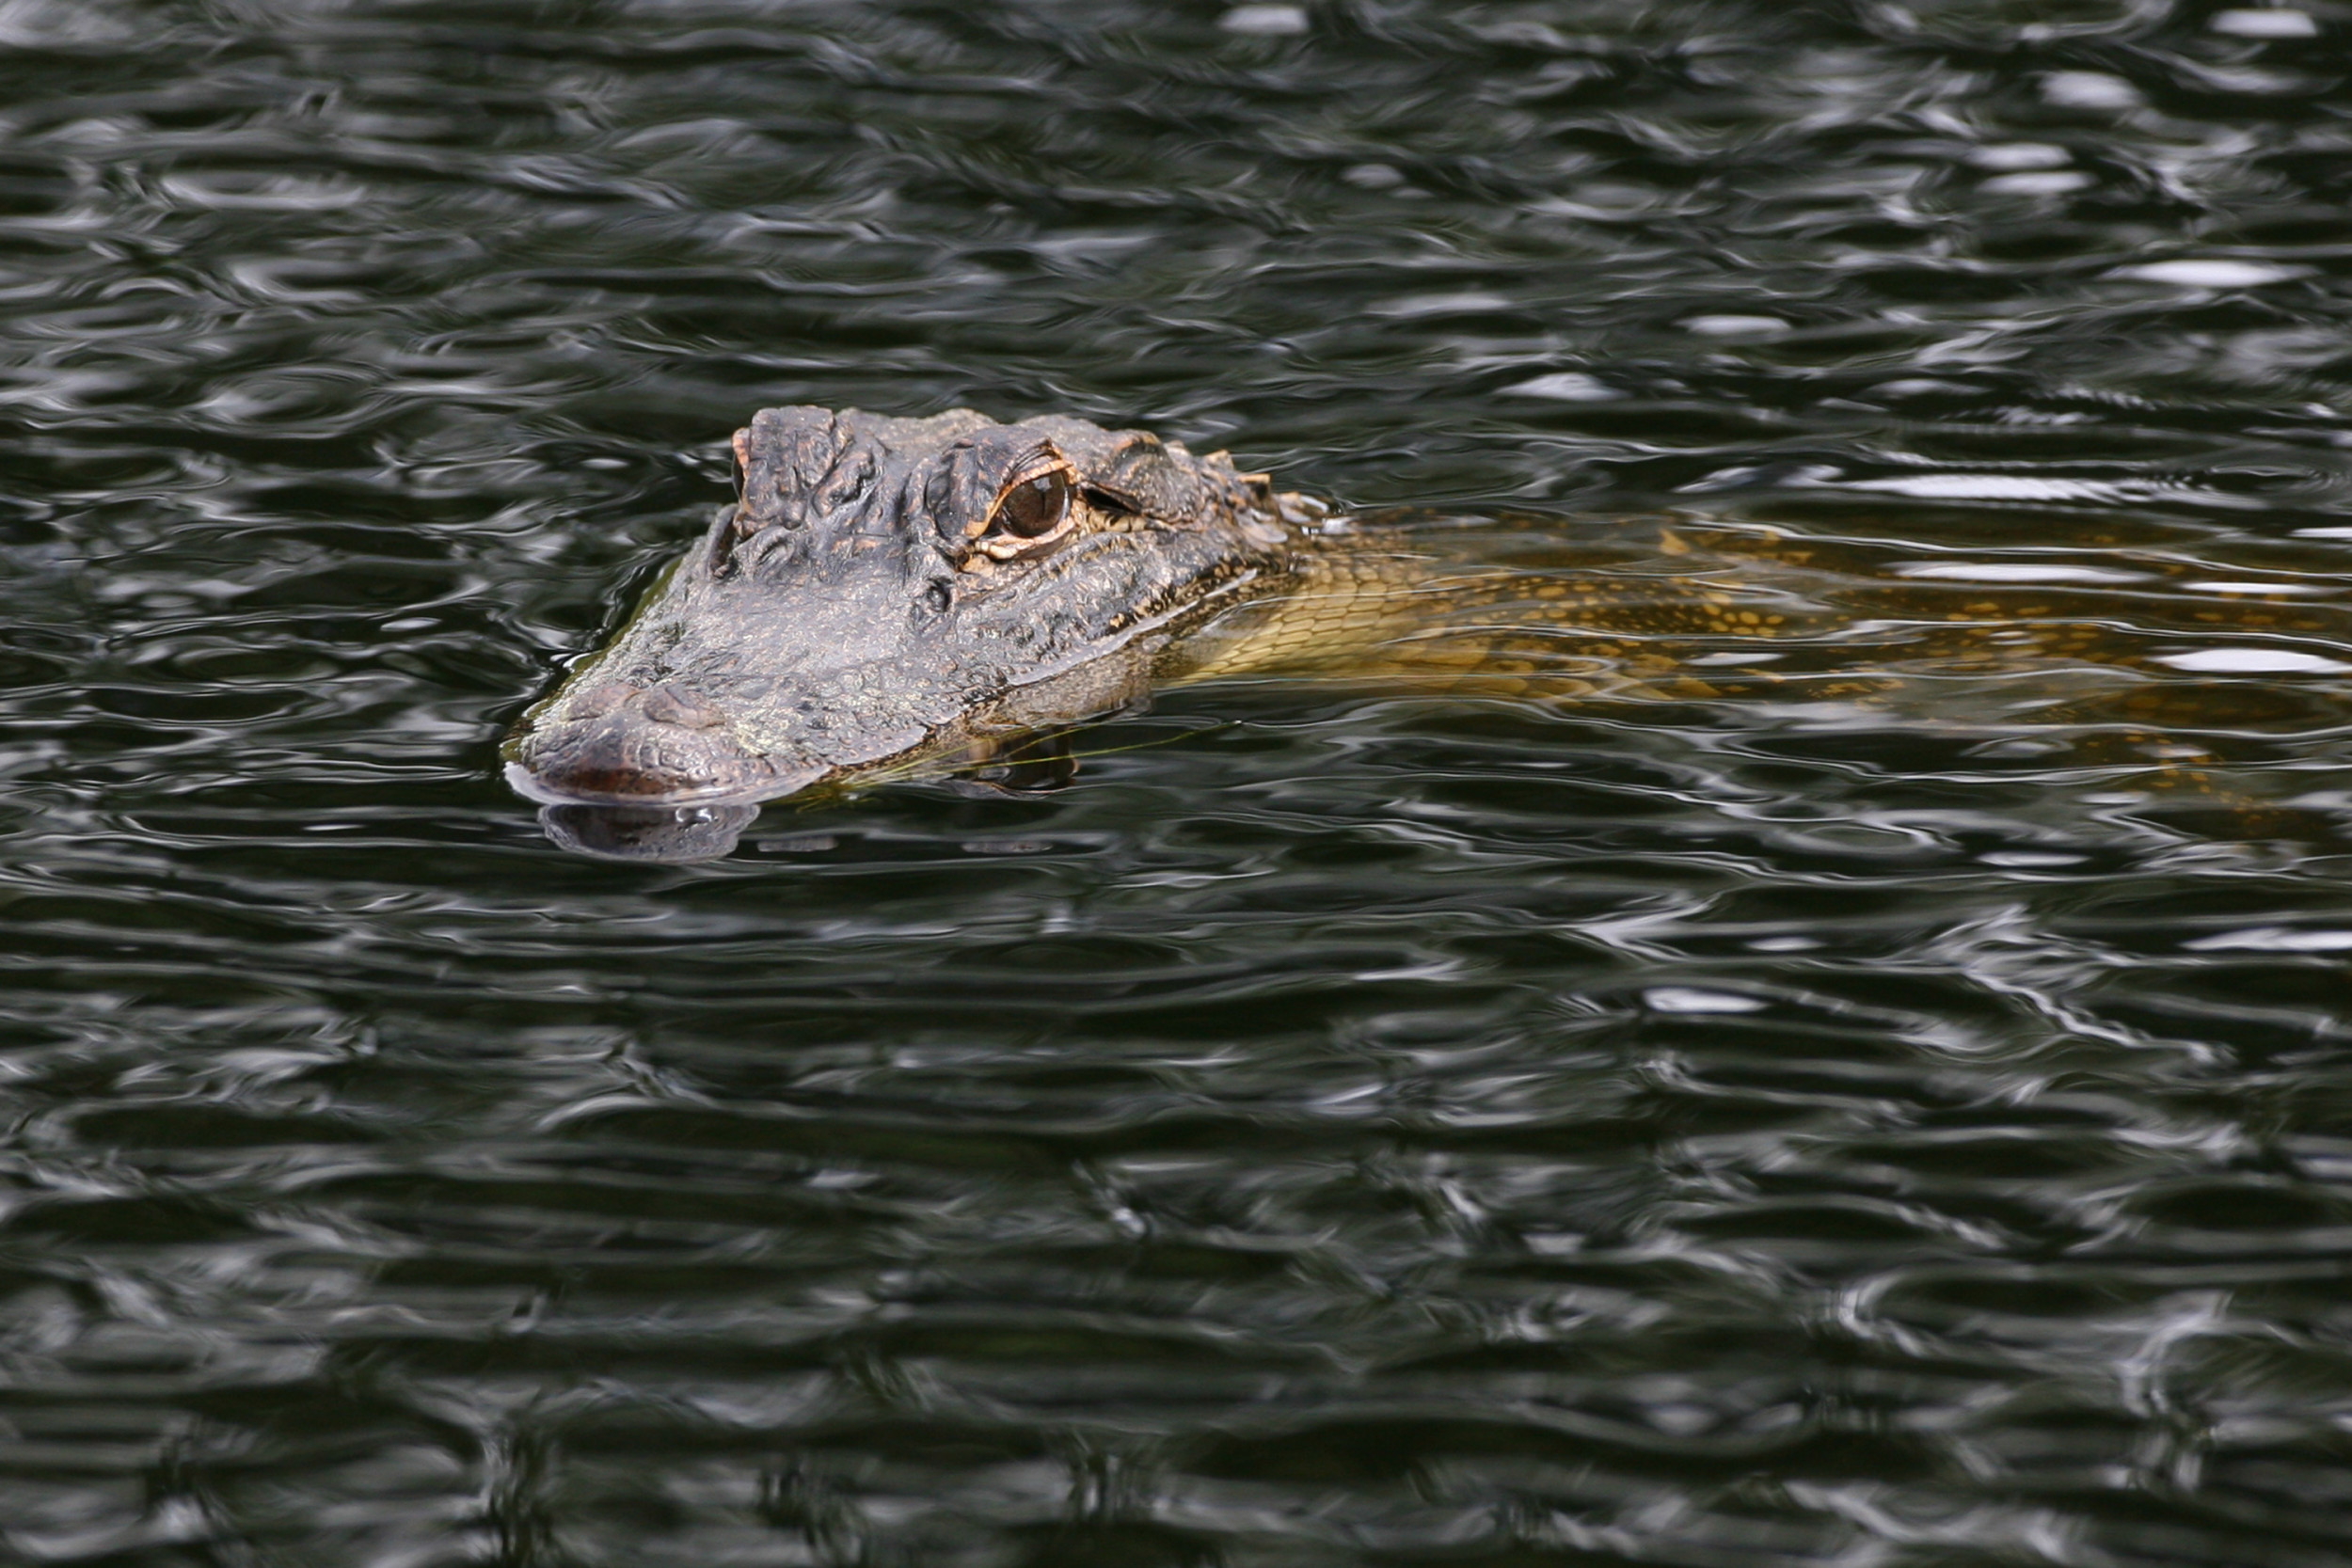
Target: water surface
x: 1346, y: 1126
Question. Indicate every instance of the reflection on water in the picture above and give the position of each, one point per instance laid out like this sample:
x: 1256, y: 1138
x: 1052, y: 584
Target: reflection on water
x: 1699, y: 1124
x: 649, y: 833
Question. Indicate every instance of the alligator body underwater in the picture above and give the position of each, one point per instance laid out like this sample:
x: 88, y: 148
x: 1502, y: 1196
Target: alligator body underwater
x: 892, y: 597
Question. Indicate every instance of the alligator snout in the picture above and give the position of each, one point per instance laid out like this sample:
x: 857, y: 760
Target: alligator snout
x: 618, y: 743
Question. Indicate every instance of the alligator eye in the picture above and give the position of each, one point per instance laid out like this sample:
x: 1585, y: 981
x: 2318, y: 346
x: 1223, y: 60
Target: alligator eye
x: 1035, y: 507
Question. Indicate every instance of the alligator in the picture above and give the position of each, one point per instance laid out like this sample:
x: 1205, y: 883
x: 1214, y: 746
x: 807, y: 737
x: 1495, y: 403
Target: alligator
x: 893, y: 597
x: 891, y: 594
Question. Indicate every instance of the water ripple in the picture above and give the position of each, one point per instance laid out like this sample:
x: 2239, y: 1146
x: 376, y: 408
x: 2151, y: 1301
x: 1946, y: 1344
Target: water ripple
x: 1715, y: 1125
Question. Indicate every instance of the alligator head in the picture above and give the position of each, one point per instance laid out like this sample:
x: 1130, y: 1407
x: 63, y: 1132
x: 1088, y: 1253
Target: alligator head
x: 888, y: 593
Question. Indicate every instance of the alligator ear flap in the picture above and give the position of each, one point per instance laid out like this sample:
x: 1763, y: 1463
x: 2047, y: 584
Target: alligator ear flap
x: 1104, y: 498
x: 1140, y: 481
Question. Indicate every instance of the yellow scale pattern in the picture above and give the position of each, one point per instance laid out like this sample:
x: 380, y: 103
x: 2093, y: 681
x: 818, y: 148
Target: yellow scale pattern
x: 1665, y: 610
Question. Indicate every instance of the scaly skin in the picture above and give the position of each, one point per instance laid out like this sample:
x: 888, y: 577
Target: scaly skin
x: 900, y: 597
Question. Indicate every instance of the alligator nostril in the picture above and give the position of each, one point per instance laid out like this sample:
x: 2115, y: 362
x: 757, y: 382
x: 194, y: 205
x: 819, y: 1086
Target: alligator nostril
x: 670, y: 705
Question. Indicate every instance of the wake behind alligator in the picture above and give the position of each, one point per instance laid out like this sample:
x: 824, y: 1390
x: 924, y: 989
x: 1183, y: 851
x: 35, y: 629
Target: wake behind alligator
x: 894, y: 598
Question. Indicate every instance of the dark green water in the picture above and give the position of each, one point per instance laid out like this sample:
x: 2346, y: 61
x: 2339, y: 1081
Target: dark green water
x: 1343, y: 1128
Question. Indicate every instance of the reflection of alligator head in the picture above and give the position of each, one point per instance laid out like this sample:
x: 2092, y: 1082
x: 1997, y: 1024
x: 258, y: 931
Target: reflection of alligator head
x: 894, y: 591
